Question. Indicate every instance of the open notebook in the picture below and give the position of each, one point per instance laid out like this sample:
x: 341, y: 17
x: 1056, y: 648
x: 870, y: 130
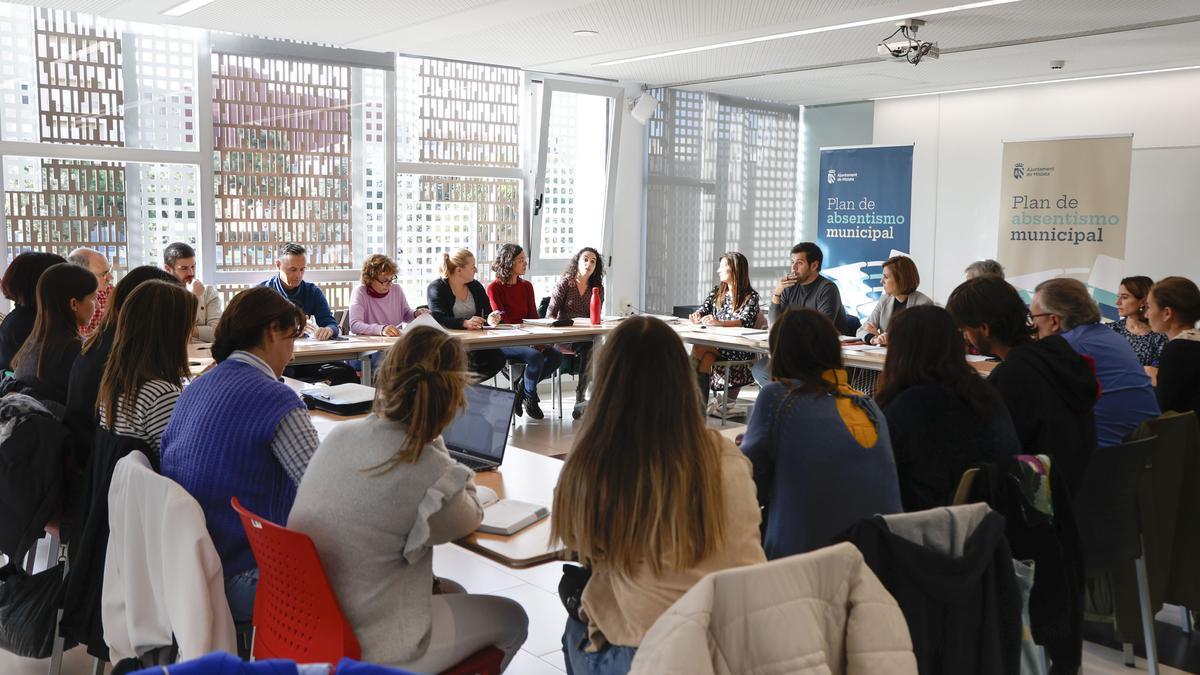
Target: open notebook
x: 507, y: 516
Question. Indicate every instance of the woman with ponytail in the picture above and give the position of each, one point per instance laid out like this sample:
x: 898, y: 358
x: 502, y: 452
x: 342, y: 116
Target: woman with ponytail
x: 458, y: 301
x: 381, y: 492
x: 239, y: 431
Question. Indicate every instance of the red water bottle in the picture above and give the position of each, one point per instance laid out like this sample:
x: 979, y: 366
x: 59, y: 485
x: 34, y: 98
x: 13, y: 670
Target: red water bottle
x: 596, y: 306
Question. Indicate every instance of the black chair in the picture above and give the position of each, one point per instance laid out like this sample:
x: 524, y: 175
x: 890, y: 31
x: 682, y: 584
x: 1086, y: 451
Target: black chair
x: 1109, y: 522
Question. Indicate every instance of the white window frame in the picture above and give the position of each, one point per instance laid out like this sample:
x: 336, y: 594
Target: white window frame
x: 543, y: 98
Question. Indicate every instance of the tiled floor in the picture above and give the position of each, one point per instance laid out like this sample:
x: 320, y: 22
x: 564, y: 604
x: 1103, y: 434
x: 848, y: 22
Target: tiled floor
x: 536, y: 589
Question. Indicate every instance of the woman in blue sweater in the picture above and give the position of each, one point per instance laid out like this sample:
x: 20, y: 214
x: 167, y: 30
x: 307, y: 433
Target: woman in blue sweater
x: 239, y: 431
x: 821, y: 455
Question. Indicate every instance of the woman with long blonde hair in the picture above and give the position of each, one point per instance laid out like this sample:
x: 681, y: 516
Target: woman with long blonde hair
x: 650, y: 498
x: 379, y: 494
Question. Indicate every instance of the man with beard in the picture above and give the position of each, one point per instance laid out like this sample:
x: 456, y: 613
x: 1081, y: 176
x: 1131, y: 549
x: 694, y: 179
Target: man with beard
x: 1049, y: 389
x: 180, y: 259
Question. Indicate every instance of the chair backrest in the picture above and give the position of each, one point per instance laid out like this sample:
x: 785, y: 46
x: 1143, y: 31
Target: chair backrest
x: 1106, y: 506
x: 296, y: 615
x: 342, y: 317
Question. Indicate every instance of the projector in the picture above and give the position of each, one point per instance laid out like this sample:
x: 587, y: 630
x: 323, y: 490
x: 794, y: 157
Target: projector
x: 903, y: 44
x: 909, y: 52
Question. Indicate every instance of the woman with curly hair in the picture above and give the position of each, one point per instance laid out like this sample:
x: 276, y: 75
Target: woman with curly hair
x: 513, y: 297
x: 572, y: 300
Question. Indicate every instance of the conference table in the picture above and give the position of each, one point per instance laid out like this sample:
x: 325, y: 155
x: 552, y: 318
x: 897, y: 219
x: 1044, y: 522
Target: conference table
x: 362, y: 346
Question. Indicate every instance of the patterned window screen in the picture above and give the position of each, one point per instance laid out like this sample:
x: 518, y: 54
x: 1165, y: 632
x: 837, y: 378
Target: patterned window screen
x: 281, y: 161
x: 722, y: 177
x: 458, y: 114
x: 80, y: 80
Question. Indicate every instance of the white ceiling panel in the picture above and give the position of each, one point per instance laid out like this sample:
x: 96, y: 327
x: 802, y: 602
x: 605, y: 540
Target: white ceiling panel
x: 819, y: 68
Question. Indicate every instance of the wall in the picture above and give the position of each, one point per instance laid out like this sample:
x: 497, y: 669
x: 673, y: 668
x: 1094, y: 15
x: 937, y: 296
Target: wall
x: 956, y: 165
x: 826, y: 126
x: 627, y: 271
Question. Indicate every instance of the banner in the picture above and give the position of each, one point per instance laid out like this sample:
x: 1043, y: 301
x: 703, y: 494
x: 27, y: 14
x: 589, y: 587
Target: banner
x: 1063, y: 205
x: 863, y: 217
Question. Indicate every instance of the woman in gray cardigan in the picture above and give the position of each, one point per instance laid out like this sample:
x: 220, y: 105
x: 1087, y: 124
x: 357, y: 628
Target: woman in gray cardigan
x: 378, y: 495
x: 900, y: 281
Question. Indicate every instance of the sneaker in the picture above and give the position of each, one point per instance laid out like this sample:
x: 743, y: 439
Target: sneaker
x: 715, y: 405
x: 532, y: 410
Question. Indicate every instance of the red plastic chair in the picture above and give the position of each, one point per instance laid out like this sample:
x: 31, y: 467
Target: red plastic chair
x: 296, y: 615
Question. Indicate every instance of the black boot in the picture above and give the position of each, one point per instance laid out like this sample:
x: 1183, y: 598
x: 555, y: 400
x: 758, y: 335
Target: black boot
x: 704, y: 380
x: 580, y: 396
x: 532, y: 409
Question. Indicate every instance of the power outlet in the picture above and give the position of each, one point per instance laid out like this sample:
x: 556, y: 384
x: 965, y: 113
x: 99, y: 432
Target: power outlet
x: 627, y: 308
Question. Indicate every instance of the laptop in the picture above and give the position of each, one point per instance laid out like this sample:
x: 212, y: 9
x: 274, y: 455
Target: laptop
x: 478, y: 436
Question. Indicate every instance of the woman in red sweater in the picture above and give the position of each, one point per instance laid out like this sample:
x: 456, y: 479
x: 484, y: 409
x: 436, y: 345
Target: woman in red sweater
x: 513, y: 297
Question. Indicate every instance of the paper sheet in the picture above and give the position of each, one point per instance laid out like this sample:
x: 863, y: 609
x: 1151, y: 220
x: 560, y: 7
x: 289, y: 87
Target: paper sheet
x: 423, y: 320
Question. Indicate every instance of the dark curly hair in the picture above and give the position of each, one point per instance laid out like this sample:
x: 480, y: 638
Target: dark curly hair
x: 597, y: 278
x: 502, y: 266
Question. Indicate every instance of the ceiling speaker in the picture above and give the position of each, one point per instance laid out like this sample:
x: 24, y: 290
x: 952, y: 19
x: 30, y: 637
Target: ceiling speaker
x: 643, y: 108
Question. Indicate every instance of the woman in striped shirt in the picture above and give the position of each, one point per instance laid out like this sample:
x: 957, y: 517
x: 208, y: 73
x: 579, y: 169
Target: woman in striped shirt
x: 148, y: 363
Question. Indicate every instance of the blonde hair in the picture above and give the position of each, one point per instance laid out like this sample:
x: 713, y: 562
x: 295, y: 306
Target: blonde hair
x: 421, y: 385
x: 642, y: 484
x: 452, y: 261
x: 375, y: 265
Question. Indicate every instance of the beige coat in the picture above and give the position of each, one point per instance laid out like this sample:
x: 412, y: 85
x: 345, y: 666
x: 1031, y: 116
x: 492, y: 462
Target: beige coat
x: 822, y: 612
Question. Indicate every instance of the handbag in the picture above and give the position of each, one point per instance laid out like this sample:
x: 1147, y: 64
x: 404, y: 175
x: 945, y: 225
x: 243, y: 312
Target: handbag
x: 29, y: 607
x: 570, y: 589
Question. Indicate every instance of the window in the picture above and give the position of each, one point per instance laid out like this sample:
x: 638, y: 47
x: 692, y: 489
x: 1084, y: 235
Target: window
x: 722, y: 177
x: 108, y: 141
x: 128, y: 211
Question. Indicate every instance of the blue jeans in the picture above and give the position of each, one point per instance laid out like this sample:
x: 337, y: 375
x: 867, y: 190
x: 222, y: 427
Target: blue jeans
x: 612, y: 660
x: 539, y: 364
x: 761, y: 370
x: 239, y: 591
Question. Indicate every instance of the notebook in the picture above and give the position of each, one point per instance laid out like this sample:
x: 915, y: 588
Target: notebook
x: 507, y: 516
x: 342, y: 399
x: 478, y: 436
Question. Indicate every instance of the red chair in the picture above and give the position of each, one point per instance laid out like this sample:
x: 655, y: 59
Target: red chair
x: 296, y: 615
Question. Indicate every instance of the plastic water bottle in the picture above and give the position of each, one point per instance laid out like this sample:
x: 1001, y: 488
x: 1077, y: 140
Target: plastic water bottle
x: 595, y: 307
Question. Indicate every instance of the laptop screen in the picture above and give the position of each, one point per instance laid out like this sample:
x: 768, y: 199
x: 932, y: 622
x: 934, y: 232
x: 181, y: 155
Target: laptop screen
x: 482, y: 429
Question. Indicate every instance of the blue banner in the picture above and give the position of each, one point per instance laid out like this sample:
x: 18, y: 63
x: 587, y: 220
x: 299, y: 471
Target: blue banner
x: 863, y: 217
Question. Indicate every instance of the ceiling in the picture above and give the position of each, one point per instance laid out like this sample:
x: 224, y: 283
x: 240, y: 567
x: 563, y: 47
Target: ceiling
x: 993, y: 45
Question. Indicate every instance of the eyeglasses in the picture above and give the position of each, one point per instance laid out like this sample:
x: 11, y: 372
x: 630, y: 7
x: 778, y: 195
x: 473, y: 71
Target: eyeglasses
x: 386, y: 282
x: 1035, y: 317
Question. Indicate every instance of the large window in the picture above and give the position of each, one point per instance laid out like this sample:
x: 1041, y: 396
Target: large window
x: 722, y: 177
x: 125, y: 137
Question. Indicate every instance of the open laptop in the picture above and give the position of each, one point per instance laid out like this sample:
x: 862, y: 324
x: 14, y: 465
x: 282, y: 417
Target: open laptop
x: 478, y: 436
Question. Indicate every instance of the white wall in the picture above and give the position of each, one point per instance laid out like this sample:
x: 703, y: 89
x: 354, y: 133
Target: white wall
x: 956, y: 165
x: 626, y: 273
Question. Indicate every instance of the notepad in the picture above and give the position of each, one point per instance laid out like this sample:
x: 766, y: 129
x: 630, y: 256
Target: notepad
x: 507, y: 516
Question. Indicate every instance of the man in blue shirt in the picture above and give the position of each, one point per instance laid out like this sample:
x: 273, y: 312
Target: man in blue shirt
x: 1064, y: 307
x: 290, y: 283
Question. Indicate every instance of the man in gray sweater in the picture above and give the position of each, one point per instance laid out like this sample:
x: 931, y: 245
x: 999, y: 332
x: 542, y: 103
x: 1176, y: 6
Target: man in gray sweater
x: 803, y: 287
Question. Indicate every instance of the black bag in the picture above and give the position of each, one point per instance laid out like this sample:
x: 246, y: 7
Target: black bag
x: 29, y: 609
x: 570, y: 589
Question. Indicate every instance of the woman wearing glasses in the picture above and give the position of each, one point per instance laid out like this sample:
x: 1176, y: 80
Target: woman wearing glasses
x: 379, y: 306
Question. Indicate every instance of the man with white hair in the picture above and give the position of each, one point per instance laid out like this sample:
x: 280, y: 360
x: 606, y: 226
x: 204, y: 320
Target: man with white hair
x: 1063, y: 306
x: 97, y: 263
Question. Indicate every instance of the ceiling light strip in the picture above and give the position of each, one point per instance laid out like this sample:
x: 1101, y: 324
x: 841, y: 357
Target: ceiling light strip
x: 186, y: 7
x: 809, y: 31
x: 1031, y: 84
